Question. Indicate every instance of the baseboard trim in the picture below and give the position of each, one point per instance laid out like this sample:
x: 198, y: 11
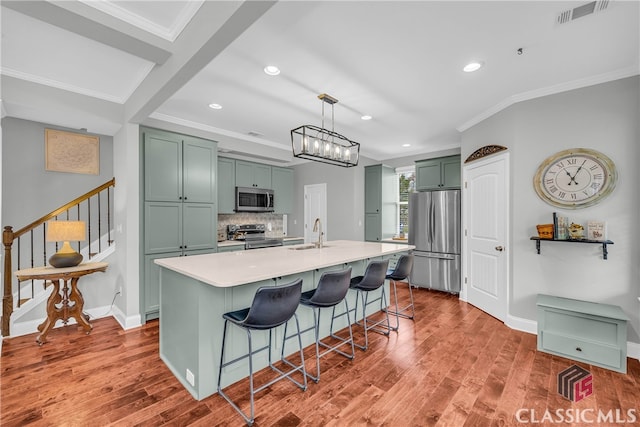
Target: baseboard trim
x: 522, y: 324
x: 126, y: 322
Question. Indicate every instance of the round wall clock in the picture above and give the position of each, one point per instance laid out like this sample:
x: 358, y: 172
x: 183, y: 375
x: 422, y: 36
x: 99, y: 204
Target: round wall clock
x: 575, y: 178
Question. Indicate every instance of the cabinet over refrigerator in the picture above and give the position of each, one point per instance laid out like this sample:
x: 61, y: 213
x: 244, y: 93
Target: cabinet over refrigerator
x: 434, y: 229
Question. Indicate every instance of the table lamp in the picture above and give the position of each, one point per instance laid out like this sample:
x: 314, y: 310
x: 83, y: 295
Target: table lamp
x: 65, y: 231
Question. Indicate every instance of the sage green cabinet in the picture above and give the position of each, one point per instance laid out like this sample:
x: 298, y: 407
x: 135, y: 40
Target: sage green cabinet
x: 438, y: 174
x: 178, y: 168
x: 226, y: 185
x: 249, y: 174
x: 582, y: 330
x: 282, y: 184
x: 179, y: 203
x: 380, y: 194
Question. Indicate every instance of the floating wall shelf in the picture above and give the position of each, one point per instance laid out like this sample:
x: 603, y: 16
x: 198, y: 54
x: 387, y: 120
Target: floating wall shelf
x: 604, y: 243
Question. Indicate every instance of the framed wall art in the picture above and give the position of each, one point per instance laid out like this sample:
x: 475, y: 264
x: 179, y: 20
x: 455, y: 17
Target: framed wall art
x: 72, y: 152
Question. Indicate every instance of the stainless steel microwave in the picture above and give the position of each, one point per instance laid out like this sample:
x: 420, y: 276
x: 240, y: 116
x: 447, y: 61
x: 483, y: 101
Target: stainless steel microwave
x: 250, y: 199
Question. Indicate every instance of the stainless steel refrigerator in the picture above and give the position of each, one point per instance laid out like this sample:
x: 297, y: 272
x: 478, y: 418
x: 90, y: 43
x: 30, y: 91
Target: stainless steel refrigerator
x: 434, y: 229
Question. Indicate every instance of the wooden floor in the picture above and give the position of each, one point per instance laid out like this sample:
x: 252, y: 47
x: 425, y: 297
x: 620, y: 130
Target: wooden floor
x: 455, y: 366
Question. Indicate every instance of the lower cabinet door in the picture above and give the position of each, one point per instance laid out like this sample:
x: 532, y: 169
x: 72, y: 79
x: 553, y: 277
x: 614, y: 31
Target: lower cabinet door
x: 372, y: 227
x: 152, y: 284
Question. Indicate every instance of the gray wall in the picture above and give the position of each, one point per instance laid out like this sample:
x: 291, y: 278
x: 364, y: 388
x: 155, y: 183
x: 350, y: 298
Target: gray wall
x: 28, y: 190
x: 345, y: 198
x: 603, y: 117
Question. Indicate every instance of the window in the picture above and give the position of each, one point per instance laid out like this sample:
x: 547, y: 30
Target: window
x: 406, y: 185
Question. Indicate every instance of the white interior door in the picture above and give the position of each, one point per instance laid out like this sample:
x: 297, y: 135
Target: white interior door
x: 315, y: 206
x: 486, y: 234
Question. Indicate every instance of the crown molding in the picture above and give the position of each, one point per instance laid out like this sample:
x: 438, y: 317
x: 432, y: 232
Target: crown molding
x: 550, y: 90
x: 219, y: 131
x: 76, y: 89
x: 168, y: 33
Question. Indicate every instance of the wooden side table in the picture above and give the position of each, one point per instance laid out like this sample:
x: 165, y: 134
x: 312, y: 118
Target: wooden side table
x: 67, y: 304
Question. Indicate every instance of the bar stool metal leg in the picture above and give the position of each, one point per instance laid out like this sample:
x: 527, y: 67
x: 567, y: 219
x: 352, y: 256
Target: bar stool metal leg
x: 272, y: 306
x: 331, y: 290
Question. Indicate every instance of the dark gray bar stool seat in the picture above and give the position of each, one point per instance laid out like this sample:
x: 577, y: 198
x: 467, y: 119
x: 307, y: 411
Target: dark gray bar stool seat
x: 398, y: 274
x: 373, y: 279
x: 331, y: 291
x: 272, y: 306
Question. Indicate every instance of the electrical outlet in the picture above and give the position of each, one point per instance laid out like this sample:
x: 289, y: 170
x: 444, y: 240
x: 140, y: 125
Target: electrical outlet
x: 190, y: 378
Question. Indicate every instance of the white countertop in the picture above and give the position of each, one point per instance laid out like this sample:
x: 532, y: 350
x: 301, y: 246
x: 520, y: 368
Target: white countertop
x: 238, y: 268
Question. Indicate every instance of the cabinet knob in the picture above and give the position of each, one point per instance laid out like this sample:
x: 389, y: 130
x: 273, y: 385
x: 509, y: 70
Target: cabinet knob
x: 185, y: 198
x: 499, y: 248
x: 179, y: 197
x: 578, y: 349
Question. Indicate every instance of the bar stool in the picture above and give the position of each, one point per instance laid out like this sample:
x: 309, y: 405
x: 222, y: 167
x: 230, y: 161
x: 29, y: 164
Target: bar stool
x: 272, y: 306
x: 373, y: 279
x: 331, y: 291
x: 400, y: 273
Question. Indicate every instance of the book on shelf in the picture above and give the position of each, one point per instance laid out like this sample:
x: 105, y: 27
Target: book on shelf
x: 560, y: 225
x: 563, y: 224
x: 596, y: 230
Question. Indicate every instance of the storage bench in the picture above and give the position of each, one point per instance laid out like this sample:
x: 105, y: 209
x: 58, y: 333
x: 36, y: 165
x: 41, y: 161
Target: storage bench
x: 585, y: 331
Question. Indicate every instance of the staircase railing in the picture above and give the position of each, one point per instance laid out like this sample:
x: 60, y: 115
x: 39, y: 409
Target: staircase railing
x: 34, y: 236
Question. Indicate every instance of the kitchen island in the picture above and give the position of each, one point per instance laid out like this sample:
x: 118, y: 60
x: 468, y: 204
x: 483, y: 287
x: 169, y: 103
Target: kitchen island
x: 196, y: 290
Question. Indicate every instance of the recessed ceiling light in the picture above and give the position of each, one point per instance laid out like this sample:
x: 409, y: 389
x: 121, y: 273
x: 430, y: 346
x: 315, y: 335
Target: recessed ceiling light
x: 215, y: 106
x: 472, y: 66
x: 406, y: 145
x: 272, y: 70
x: 366, y: 117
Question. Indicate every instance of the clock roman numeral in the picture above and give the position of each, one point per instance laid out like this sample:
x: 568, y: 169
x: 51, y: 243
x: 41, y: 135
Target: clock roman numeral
x: 562, y: 194
x: 573, y: 196
x: 549, y: 181
x: 553, y: 189
x: 572, y: 161
x: 598, y: 176
x: 594, y: 167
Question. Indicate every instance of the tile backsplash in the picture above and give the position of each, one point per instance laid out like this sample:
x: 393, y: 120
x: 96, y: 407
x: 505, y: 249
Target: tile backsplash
x: 253, y: 218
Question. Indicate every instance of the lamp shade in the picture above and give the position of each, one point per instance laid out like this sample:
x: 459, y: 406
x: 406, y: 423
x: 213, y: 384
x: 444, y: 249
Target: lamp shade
x: 66, y: 231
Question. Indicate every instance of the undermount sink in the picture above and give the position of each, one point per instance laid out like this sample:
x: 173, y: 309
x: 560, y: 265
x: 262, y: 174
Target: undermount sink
x: 305, y: 247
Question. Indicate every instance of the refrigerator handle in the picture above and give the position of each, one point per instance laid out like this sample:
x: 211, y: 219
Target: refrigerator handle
x: 432, y: 221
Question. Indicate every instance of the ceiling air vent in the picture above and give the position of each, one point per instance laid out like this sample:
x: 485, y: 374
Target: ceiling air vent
x: 580, y: 11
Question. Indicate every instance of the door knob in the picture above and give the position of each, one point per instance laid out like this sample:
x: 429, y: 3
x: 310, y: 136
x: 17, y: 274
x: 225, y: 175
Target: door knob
x: 499, y: 248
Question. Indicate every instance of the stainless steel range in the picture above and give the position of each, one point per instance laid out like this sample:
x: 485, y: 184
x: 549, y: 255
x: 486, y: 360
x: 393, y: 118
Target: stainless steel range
x: 253, y: 236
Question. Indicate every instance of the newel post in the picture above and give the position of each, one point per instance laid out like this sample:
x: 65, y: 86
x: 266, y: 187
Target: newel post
x: 7, y: 296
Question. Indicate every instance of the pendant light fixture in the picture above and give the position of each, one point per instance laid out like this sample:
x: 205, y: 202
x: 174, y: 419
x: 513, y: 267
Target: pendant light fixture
x: 323, y: 145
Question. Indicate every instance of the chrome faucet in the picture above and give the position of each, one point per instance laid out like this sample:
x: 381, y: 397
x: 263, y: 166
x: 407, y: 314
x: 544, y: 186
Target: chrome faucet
x: 317, y: 226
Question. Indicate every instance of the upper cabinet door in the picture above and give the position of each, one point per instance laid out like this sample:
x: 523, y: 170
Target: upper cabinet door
x: 262, y: 176
x: 244, y: 174
x: 428, y: 175
x: 451, y: 176
x: 199, y: 171
x: 254, y: 175
x: 226, y: 185
x: 372, y: 189
x: 162, y: 167
x: 282, y: 183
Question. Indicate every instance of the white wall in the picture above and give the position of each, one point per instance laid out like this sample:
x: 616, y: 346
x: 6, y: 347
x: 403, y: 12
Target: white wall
x: 128, y: 224
x: 604, y: 117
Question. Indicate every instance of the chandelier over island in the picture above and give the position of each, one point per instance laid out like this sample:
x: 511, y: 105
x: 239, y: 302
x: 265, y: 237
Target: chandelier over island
x: 324, y: 145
